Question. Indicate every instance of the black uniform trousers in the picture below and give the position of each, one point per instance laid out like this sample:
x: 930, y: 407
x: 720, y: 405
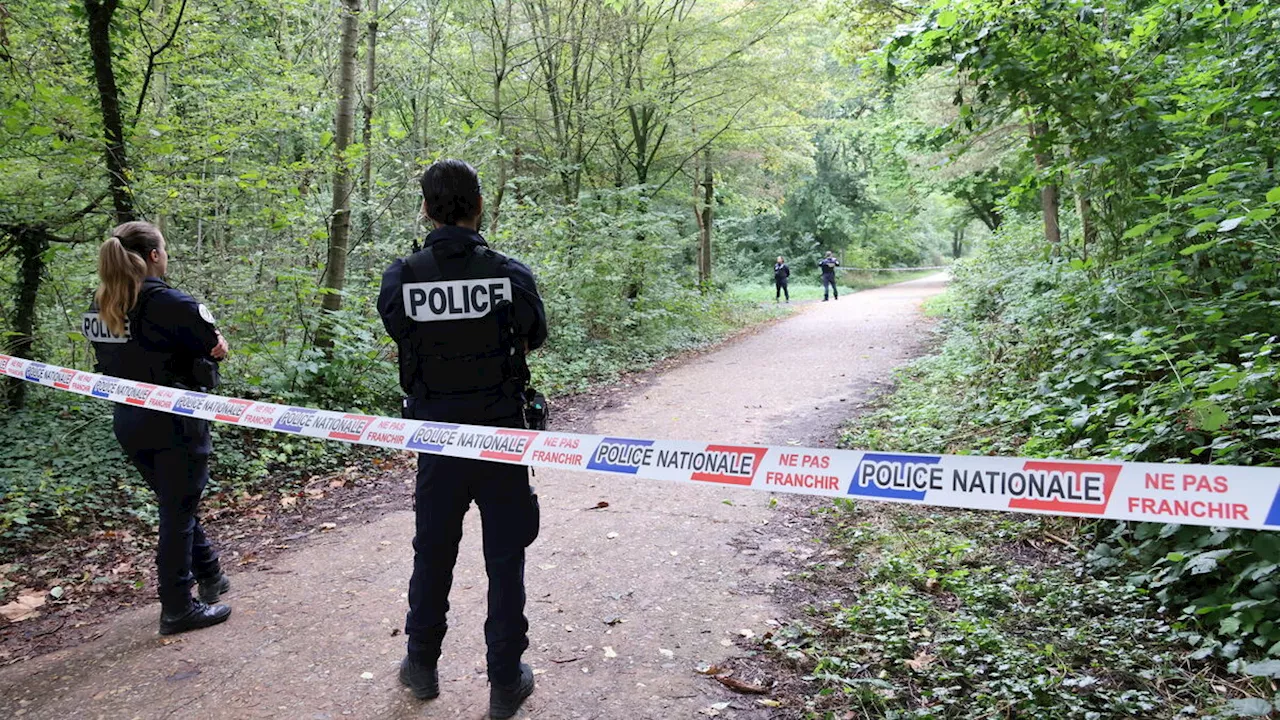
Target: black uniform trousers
x: 509, y: 519
x: 172, y: 454
x: 780, y: 288
x: 829, y: 280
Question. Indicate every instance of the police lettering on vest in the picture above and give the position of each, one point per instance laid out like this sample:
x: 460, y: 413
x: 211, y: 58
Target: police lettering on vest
x: 96, y: 330
x: 454, y: 299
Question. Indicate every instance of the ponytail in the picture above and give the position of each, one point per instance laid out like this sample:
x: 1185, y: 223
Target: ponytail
x: 121, y: 270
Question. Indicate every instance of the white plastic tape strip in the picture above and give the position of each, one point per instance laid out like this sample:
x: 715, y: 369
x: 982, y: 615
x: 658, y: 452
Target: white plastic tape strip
x: 1214, y: 495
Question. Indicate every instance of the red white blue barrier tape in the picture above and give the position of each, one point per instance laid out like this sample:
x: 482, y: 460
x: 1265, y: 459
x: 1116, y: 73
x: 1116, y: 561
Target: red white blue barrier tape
x: 1214, y: 495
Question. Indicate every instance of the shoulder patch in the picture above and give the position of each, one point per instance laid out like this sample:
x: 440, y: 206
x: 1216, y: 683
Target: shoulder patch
x: 206, y: 315
x: 454, y: 299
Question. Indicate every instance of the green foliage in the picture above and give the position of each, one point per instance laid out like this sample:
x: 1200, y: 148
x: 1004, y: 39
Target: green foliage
x: 957, y: 615
x: 1054, y: 359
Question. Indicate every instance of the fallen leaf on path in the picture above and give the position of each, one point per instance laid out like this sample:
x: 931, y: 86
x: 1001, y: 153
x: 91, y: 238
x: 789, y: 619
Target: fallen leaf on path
x: 739, y: 686
x: 24, y: 608
x: 666, y: 653
x: 328, y: 526
x: 726, y: 642
x: 56, y: 593
x: 769, y: 703
x: 747, y: 633
x: 612, y: 535
x: 366, y: 676
x: 599, y: 506
x: 288, y: 501
x: 714, y: 710
x: 611, y: 619
x: 609, y: 653
x: 705, y: 669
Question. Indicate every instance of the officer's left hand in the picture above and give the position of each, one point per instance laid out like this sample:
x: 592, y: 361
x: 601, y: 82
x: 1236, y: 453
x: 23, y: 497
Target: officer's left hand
x: 220, y: 350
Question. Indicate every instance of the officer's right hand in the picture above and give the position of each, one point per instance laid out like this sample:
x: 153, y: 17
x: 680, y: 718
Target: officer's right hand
x: 220, y: 350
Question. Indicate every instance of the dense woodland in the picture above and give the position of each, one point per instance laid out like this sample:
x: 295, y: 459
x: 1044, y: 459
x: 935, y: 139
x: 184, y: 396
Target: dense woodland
x: 1106, y: 167
x: 641, y: 156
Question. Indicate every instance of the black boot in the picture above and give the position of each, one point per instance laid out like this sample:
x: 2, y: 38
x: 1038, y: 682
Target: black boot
x: 505, y: 700
x: 213, y: 588
x: 421, y: 678
x: 198, y: 615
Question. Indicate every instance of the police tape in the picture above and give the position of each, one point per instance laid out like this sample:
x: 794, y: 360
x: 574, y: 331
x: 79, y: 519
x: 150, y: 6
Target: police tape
x: 1214, y: 495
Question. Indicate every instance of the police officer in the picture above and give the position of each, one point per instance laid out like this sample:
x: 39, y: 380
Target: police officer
x: 828, y: 266
x: 144, y: 330
x: 463, y: 317
x: 781, y: 273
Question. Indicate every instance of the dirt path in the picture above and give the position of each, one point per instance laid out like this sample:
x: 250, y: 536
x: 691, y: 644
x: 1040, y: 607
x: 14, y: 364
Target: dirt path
x: 624, y: 601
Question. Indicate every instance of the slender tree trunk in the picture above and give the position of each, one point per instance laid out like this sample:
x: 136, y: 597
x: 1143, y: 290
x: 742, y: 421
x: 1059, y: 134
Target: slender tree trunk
x: 706, y: 211
x: 1088, y: 230
x: 370, y: 98
x: 31, y: 244
x: 1049, y: 201
x: 99, y: 13
x: 335, y: 272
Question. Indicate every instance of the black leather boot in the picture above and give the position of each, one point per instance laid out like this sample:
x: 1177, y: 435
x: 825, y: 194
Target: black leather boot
x: 198, y: 615
x: 213, y: 588
x: 505, y: 700
x: 421, y: 678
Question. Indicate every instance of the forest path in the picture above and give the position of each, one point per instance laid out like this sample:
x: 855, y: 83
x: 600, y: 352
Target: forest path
x: 623, y: 602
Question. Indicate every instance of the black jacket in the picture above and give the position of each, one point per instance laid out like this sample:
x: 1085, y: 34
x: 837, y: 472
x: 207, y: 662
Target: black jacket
x: 455, y: 309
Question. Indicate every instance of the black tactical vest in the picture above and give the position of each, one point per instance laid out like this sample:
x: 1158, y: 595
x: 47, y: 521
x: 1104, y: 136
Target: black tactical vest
x: 458, y: 297
x: 144, y: 353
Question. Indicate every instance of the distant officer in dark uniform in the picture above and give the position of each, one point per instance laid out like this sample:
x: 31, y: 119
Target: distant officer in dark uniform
x: 781, y: 273
x: 463, y: 317
x: 828, y: 266
x: 144, y: 330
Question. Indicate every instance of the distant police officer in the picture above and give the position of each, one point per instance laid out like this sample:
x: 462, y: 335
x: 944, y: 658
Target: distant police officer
x: 144, y: 330
x: 781, y: 274
x: 463, y: 316
x: 828, y: 266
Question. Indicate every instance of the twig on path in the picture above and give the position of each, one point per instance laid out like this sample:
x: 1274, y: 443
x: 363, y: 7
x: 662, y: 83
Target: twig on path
x: 1057, y: 539
x: 564, y: 662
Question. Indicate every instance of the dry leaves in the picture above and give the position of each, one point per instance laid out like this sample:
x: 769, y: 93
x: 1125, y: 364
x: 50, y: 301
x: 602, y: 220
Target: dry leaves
x: 737, y: 685
x: 921, y: 661
x: 25, y: 607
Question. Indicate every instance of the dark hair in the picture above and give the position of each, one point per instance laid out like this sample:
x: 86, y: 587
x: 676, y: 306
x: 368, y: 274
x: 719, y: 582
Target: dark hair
x: 451, y: 191
x: 122, y: 266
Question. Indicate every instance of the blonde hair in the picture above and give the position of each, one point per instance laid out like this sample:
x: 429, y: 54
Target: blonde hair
x: 122, y: 267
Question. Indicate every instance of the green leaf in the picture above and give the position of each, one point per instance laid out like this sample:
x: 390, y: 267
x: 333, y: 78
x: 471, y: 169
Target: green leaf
x: 1193, y: 249
x: 1209, y: 416
x: 1265, y: 668
x: 1137, y: 230
x: 1230, y: 224
x: 1274, y: 195
x: 948, y: 18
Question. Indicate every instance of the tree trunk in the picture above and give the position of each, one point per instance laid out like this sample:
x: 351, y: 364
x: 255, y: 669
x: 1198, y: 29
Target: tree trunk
x: 31, y: 244
x: 1049, y: 201
x: 370, y: 98
x: 1088, y: 231
x: 335, y: 271
x: 957, y: 242
x: 100, y: 13
x: 705, y: 220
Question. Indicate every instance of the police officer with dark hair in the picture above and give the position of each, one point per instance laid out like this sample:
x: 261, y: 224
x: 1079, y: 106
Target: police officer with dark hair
x: 463, y: 317
x: 828, y: 266
x: 144, y: 330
